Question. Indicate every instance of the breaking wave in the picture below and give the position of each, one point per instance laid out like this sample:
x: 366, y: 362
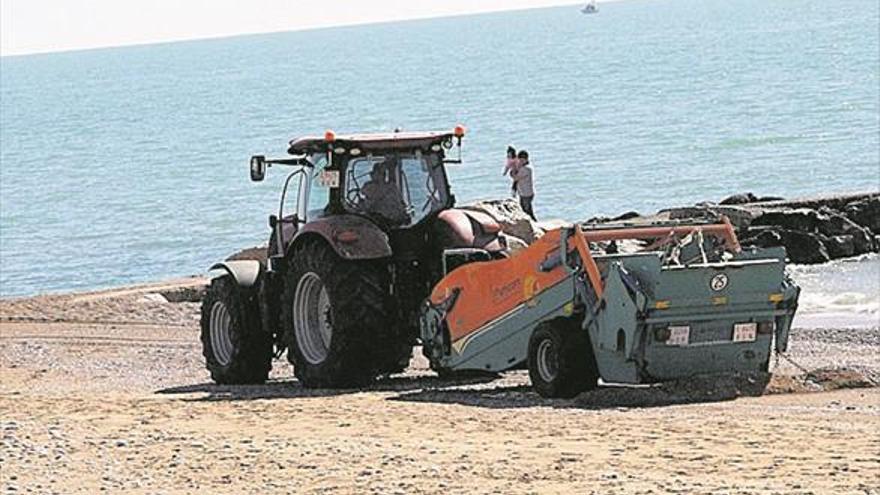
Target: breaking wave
x: 846, y: 290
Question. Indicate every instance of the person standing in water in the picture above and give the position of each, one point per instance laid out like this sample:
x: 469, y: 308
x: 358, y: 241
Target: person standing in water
x: 524, y: 183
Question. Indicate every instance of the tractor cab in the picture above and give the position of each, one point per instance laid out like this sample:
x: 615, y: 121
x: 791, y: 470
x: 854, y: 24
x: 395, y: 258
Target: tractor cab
x: 394, y: 180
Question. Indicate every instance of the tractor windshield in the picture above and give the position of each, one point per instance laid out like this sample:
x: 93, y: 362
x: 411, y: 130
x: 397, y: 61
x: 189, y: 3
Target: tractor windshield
x: 395, y: 189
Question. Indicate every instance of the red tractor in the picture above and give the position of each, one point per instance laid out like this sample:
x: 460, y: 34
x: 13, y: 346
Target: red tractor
x: 365, y: 228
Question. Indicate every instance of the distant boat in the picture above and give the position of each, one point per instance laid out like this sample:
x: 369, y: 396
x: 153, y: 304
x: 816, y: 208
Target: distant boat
x: 590, y: 8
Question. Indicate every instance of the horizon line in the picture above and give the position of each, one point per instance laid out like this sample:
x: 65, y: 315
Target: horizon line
x: 563, y: 3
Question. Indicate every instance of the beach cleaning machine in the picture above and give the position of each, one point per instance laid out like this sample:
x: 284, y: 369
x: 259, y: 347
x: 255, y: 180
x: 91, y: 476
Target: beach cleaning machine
x: 692, y: 302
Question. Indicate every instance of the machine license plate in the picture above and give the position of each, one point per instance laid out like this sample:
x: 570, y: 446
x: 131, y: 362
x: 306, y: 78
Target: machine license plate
x: 745, y: 332
x: 678, y: 336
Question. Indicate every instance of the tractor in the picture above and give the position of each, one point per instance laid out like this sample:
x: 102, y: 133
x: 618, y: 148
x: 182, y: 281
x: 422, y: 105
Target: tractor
x: 366, y: 226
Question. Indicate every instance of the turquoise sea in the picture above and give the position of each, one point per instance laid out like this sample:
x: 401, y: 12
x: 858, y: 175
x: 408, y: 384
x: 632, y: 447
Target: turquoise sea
x: 130, y: 164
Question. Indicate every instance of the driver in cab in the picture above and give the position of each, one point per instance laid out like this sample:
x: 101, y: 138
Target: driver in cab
x: 382, y: 196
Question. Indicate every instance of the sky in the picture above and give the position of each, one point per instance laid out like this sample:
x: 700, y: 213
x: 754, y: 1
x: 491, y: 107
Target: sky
x: 37, y: 26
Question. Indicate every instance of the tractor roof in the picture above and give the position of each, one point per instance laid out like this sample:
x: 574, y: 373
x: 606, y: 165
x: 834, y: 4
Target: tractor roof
x: 384, y: 141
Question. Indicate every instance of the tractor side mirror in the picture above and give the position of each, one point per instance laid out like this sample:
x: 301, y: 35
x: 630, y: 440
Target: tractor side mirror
x: 258, y: 168
x: 273, y: 221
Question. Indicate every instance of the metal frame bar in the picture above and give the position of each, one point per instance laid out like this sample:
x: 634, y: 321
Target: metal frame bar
x: 724, y: 230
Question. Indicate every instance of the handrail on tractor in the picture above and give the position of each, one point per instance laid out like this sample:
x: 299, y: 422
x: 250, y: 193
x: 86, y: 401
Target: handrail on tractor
x: 580, y: 240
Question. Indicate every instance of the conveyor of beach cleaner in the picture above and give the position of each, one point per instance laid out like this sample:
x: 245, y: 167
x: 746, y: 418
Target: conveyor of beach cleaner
x: 693, y: 302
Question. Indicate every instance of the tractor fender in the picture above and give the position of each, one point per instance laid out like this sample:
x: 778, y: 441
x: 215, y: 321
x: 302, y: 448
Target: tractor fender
x: 460, y: 228
x: 245, y: 272
x: 352, y: 237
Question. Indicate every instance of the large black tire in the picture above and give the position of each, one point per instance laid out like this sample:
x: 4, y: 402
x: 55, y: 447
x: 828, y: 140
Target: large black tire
x: 236, y: 349
x: 561, y: 361
x: 338, y: 319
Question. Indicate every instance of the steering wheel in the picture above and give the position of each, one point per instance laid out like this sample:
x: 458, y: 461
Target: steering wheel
x: 357, y: 178
x: 354, y: 196
x: 432, y: 192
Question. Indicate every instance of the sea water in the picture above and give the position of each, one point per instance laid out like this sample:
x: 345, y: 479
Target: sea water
x: 842, y: 293
x: 130, y: 164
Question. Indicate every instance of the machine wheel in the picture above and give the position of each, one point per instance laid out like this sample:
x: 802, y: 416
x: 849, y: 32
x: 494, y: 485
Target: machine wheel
x: 561, y: 361
x: 337, y: 318
x: 236, y: 349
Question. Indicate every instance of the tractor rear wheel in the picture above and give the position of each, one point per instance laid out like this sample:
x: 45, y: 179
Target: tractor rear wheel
x: 561, y: 361
x: 337, y: 317
x: 236, y: 349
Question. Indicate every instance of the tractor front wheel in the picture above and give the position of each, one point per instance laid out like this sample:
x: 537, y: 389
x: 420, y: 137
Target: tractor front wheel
x: 236, y: 349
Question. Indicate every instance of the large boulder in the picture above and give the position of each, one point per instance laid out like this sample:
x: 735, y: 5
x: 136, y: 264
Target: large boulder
x: 836, y: 224
x: 746, y: 198
x: 865, y: 213
x: 768, y: 199
x: 842, y: 236
x: 800, y: 247
x: 799, y: 219
x: 739, y: 216
x: 739, y: 199
x: 597, y: 220
x: 839, y: 246
x: 510, y: 215
x: 626, y: 216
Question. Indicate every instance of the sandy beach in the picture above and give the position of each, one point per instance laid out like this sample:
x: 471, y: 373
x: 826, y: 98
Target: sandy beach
x: 106, y: 392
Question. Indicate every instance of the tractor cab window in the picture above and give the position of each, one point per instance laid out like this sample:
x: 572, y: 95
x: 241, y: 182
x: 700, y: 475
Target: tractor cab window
x: 319, y: 192
x: 397, y: 190
x: 422, y: 181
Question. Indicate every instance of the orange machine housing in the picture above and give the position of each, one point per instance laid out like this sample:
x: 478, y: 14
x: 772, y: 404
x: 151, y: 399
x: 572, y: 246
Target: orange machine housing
x: 489, y: 290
